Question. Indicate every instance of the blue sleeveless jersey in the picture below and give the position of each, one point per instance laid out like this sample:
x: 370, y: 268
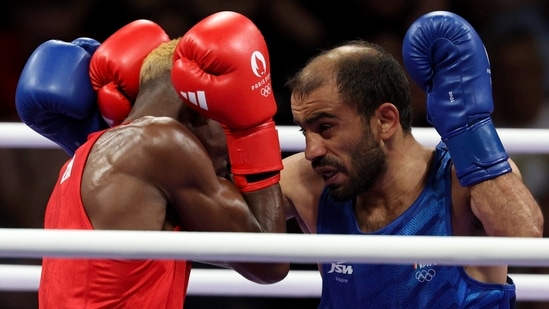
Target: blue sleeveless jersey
x: 350, y: 285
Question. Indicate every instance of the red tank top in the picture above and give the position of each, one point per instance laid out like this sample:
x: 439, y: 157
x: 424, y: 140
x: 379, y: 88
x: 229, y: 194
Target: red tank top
x: 102, y: 283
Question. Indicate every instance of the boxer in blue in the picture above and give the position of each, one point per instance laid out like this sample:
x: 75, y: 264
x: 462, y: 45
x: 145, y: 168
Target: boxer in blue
x: 362, y: 171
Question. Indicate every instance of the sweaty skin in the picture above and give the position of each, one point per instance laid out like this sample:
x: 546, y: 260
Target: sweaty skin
x: 153, y: 173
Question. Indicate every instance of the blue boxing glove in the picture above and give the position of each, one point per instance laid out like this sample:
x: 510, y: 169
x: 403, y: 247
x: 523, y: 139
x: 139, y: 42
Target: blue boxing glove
x: 54, y: 94
x: 445, y: 56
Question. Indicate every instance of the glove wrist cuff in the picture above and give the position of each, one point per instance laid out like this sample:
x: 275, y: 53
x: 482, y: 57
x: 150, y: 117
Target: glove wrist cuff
x: 255, y: 151
x: 478, y: 153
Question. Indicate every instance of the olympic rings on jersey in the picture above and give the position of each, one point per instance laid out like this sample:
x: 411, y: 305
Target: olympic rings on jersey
x: 425, y: 275
x: 266, y: 91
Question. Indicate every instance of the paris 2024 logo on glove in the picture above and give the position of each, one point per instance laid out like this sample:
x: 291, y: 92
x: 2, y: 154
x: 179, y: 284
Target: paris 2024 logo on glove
x: 259, y: 68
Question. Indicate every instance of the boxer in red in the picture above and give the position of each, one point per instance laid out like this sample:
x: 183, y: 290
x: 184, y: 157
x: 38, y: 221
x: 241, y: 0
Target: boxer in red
x: 165, y: 166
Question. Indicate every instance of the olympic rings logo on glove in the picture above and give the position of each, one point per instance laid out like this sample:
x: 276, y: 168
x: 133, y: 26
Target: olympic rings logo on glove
x: 425, y: 275
x: 266, y: 91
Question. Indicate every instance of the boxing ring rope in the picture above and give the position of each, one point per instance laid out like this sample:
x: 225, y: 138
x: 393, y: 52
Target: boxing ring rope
x: 265, y: 247
x: 526, y: 141
x: 224, y: 282
x: 295, y: 248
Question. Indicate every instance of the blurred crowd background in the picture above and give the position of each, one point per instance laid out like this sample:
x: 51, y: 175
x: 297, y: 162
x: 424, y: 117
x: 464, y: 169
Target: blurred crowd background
x: 515, y: 32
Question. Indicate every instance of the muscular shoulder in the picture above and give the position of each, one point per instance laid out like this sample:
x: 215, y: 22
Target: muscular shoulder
x: 165, y: 134
x: 150, y: 146
x: 297, y: 169
x: 301, y: 188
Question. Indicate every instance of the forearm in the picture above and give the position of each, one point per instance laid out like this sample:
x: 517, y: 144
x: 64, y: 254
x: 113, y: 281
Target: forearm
x: 506, y: 207
x: 446, y: 57
x: 267, y: 207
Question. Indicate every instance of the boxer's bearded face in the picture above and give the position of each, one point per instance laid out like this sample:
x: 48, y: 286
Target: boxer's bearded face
x: 365, y: 165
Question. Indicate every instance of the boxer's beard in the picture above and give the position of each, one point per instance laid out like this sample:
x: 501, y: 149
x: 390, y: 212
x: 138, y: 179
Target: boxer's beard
x: 367, y: 165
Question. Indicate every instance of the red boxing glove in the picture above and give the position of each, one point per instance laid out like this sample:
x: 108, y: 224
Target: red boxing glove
x: 222, y: 70
x: 116, y: 65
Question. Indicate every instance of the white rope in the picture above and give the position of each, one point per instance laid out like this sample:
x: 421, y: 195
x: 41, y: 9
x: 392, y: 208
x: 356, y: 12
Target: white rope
x: 18, y: 135
x: 265, y: 247
x: 224, y: 282
x: 19, y: 277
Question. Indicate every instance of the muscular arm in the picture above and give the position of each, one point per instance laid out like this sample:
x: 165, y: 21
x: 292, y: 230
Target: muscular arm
x: 506, y: 207
x: 207, y: 202
x: 153, y: 174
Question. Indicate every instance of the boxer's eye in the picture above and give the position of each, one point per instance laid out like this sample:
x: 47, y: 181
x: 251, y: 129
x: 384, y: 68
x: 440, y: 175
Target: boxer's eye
x: 324, y: 127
